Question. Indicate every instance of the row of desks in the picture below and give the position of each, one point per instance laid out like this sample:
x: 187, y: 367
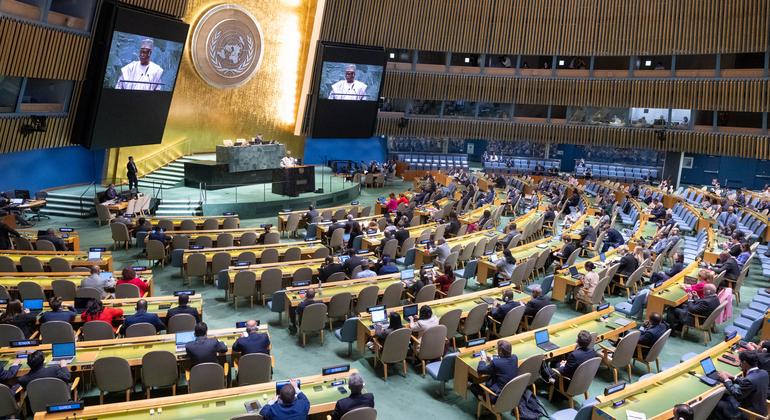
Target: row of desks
x: 71, y: 239
x: 307, y: 249
x: 423, y: 255
x: 198, y: 220
x: 11, y: 280
x: 75, y: 258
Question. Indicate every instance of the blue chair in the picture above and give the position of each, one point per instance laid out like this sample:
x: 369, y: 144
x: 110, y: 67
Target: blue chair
x: 469, y: 271
x: 546, y: 285
x: 636, y: 308
x: 357, y: 242
x: 347, y: 334
x: 407, y: 259
x: 443, y: 370
x: 311, y: 231
x: 571, y: 414
x: 177, y: 256
x: 278, y: 304
x: 746, y: 333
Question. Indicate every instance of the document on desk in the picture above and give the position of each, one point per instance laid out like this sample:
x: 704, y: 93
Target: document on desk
x: 634, y: 415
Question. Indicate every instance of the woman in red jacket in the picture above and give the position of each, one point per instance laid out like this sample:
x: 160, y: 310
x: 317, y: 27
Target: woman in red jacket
x: 95, y: 311
x: 128, y: 276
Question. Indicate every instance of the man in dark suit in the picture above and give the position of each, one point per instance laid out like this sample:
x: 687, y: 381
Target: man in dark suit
x: 401, y: 234
x: 356, y: 398
x: 311, y: 214
x: 652, y: 330
x: 612, y: 239
x: 253, y: 342
x: 583, y: 352
x: 37, y: 369
x: 501, y: 370
x: 454, y: 224
x: 183, y: 308
x: 628, y: 263
x: 748, y: 391
x: 56, y: 313
x: 677, y: 317
x: 351, y: 224
x: 5, y: 235
x: 352, y: 262
x: 131, y: 171
x: 204, y: 349
x: 500, y: 311
x: 587, y: 235
x: 295, y: 316
x: 263, y: 235
x: 657, y: 210
x: 58, y: 242
x: 662, y: 276
x: 334, y: 226
x: 566, y: 250
x: 142, y: 315
x: 538, y: 301
x: 329, y: 267
x: 290, y: 403
x: 729, y: 265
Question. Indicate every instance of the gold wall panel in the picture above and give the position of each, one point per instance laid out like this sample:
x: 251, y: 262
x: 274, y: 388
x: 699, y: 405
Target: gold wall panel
x: 266, y: 105
x: 742, y: 95
x: 169, y: 7
x: 748, y: 146
x: 550, y: 27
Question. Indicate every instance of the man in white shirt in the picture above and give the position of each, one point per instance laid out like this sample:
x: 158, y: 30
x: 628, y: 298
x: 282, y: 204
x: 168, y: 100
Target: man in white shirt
x: 349, y: 89
x: 96, y: 281
x: 288, y: 161
x: 142, y: 74
x: 365, y: 272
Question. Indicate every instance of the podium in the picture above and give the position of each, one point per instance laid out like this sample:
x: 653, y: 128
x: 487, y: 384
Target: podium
x: 294, y: 180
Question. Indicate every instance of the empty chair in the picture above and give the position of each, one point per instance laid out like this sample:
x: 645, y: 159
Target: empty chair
x: 197, y: 266
x: 303, y: 274
x: 120, y: 235
x: 113, y: 374
x: 391, y: 298
x: 204, y: 241
x: 211, y: 224
x: 367, y: 298
x: 103, y: 214
x: 507, y: 400
x: 360, y: 413
x: 270, y: 282
x: 188, y: 224
x: 57, y: 332
x: 542, y: 317
x: 9, y: 333
x: 579, y: 383
x: 31, y: 264
x: 156, y: 252
x: 59, y: 265
x: 321, y: 252
x: 254, y: 368
x: 97, y: 330
x: 231, y: 223
x: 293, y: 254
x: 224, y: 240
x: 431, y: 344
x: 180, y: 323
x: 159, y: 369
x: 88, y: 292
x: 337, y: 241
x: 248, y: 238
x: 8, y: 405
x: 7, y: 265
x: 621, y: 355
x: 393, y: 350
x: 339, y: 307
x: 43, y: 392
x: 65, y: 289
x: 426, y: 294
x: 293, y: 224
x: 269, y: 256
x: 245, y: 285
x: 30, y: 290
x: 451, y: 320
x: 443, y: 370
x: 474, y: 321
x: 703, y: 408
x: 348, y: 333
x: 141, y: 329
x: 127, y: 291
x: 272, y: 238
x: 180, y: 241
x: 532, y: 366
x: 313, y: 319
x: 206, y: 377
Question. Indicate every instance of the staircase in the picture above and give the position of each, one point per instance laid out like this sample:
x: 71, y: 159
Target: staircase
x: 169, y: 176
x: 179, y: 208
x: 68, y: 205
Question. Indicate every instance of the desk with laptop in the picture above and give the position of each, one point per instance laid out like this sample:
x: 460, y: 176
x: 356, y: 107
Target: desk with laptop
x: 95, y: 256
x: 552, y: 341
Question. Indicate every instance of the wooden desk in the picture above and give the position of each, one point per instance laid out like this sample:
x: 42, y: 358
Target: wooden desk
x: 465, y: 302
x: 31, y: 204
x: 75, y: 258
x: 657, y: 395
x: 670, y: 293
x: 11, y: 280
x: 373, y: 241
x: 72, y: 240
x: 213, y: 234
x: 423, y: 256
x: 214, y: 405
x: 307, y: 249
x: 323, y: 227
x: 116, y: 206
x: 563, y: 282
x: 199, y: 220
x: 523, y: 345
x: 295, y: 295
x: 283, y: 217
x: 473, y: 216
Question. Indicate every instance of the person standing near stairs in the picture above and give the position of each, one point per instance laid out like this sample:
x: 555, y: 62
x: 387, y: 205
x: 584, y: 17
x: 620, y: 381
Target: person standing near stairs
x: 133, y: 181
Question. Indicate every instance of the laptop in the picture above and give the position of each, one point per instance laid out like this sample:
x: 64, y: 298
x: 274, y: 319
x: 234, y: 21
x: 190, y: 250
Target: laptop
x: 488, y: 300
x: 493, y: 258
x: 344, y: 258
x: 410, y: 310
x: 710, y: 377
x: 106, y: 275
x: 95, y: 256
x: 183, y: 338
x: 543, y: 341
x: 573, y: 272
x: 378, y: 315
x: 622, y: 321
x: 17, y: 201
x: 63, y: 351
x: 690, y: 280
x: 35, y: 306
x: 407, y: 275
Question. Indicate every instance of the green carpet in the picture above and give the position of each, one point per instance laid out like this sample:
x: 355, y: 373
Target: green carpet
x: 414, y: 395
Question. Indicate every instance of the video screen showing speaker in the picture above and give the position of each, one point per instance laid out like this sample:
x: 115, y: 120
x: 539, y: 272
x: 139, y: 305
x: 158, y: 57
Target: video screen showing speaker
x: 348, y: 85
x: 132, y: 73
x: 141, y: 62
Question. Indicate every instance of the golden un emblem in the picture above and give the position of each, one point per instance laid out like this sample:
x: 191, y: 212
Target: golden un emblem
x: 227, y: 46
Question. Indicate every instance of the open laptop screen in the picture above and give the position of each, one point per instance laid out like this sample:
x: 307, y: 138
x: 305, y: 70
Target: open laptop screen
x: 59, y: 350
x: 378, y: 313
x: 541, y: 337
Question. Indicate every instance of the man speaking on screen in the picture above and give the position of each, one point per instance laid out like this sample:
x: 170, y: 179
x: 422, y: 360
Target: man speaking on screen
x: 142, y: 74
x: 349, y: 89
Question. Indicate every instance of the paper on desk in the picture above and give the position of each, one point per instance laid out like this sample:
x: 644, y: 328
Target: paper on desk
x: 634, y: 415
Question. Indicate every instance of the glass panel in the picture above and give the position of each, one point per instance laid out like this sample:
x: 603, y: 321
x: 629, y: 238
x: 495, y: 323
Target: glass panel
x: 415, y: 144
x: 640, y: 157
x: 400, y: 56
x: 460, y: 108
x: 577, y: 115
x: 494, y: 110
x: 431, y: 57
x: 681, y: 119
x: 647, y: 117
x: 43, y: 95
x: 394, y: 105
x: 520, y: 148
x: 9, y: 93
x: 75, y: 14
x: 426, y: 107
x: 28, y: 9
x: 615, y: 117
x: 463, y: 59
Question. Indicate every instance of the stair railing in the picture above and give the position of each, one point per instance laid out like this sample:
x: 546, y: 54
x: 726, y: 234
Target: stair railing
x: 80, y: 199
x: 163, y: 157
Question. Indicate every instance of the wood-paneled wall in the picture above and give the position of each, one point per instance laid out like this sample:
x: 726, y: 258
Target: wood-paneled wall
x: 748, y: 146
x: 174, y: 8
x: 743, y: 95
x: 551, y: 27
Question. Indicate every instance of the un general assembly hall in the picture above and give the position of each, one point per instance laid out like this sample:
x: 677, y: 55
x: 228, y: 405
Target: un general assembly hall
x: 385, y: 209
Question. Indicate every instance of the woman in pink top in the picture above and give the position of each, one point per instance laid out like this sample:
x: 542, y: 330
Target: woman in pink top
x: 128, y: 276
x: 392, y: 204
x: 704, y: 277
